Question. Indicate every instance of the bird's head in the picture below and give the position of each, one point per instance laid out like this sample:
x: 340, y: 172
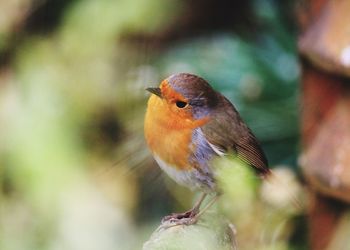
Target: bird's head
x: 186, y: 95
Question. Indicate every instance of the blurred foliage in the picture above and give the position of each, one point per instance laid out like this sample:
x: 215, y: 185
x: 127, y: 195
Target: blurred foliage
x: 264, y: 211
x: 74, y: 169
x: 264, y: 219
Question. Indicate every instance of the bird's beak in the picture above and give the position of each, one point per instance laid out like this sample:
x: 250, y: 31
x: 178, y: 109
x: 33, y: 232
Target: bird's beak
x: 155, y: 91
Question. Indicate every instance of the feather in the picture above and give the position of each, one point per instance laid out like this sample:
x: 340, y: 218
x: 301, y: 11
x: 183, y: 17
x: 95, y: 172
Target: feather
x: 226, y: 132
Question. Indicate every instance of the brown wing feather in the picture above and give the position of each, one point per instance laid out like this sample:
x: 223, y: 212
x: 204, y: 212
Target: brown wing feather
x: 249, y: 151
x: 227, y: 131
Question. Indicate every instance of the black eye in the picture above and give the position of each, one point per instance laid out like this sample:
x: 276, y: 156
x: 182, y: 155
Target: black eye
x: 181, y: 104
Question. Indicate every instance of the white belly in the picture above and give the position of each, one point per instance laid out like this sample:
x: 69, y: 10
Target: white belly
x: 183, y: 177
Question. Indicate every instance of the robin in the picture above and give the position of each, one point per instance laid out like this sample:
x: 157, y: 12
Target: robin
x: 187, y: 124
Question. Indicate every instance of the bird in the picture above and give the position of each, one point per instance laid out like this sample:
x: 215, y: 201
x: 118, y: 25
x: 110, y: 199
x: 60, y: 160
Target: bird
x: 188, y: 124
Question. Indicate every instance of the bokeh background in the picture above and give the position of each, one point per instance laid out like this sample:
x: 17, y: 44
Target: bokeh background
x: 75, y: 172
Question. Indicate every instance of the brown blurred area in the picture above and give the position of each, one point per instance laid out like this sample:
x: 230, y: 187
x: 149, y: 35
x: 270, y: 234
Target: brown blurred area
x: 324, y: 47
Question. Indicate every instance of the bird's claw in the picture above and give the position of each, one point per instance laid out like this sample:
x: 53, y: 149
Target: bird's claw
x: 176, y: 216
x: 187, y: 218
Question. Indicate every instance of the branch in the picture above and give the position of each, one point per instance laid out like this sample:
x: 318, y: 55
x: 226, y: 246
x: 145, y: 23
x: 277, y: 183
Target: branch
x: 211, y: 232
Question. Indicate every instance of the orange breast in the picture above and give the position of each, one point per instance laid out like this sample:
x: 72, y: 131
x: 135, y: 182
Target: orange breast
x: 169, y: 135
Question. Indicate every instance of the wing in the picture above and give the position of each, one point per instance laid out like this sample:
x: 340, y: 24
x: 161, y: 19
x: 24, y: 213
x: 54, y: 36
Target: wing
x: 226, y: 132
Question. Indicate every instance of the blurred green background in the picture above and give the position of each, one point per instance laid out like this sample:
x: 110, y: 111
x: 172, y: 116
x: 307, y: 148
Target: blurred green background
x: 75, y: 172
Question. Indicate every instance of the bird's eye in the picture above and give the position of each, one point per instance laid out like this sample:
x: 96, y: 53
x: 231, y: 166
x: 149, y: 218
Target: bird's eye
x: 181, y: 104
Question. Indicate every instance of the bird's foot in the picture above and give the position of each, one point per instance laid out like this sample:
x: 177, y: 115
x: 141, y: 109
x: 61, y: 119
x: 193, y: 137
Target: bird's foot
x: 186, y: 218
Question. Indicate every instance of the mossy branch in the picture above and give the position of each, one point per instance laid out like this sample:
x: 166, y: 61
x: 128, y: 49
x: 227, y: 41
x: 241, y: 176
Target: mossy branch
x: 211, y: 232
